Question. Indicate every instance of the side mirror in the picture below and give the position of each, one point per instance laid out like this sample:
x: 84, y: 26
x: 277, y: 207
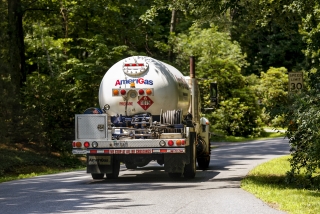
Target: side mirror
x: 214, y: 93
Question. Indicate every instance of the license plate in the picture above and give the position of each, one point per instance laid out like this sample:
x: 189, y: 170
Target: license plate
x: 120, y: 144
x: 79, y: 152
x: 99, y: 160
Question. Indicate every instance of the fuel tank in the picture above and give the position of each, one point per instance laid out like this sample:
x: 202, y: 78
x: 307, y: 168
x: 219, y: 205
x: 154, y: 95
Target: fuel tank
x: 141, y: 84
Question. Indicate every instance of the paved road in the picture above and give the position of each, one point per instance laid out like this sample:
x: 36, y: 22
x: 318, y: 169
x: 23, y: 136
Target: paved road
x: 149, y: 190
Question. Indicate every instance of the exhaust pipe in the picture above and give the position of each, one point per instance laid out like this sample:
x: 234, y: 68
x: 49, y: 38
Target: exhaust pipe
x: 192, y: 68
x: 192, y: 77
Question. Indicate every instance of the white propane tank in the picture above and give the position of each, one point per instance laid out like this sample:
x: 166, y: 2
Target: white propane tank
x: 141, y: 84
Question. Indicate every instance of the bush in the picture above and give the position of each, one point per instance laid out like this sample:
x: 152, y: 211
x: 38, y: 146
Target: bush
x: 304, y: 135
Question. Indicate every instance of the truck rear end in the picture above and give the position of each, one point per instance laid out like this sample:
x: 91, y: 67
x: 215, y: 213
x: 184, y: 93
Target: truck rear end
x: 147, y: 116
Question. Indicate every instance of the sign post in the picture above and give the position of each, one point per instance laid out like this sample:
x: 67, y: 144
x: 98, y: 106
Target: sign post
x: 295, y: 81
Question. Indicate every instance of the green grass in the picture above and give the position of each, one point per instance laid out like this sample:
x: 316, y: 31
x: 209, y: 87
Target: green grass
x: 264, y: 135
x: 267, y: 182
x: 19, y: 161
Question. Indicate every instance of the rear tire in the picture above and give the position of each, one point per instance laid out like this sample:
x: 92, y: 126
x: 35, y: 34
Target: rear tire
x: 191, y: 168
x: 130, y: 165
x: 174, y: 174
x: 203, y: 162
x: 115, y: 170
x: 97, y: 176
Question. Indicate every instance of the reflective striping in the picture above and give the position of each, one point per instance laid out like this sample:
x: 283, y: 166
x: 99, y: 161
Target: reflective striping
x: 133, y: 64
x: 128, y: 151
x: 182, y: 150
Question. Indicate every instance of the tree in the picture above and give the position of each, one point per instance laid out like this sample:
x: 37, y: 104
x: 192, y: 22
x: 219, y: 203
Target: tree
x: 219, y: 59
x: 303, y: 114
x: 7, y: 85
x: 68, y: 50
x: 272, y: 90
x: 268, y: 33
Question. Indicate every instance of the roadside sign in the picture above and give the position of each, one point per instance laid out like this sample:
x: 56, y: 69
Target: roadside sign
x: 295, y: 81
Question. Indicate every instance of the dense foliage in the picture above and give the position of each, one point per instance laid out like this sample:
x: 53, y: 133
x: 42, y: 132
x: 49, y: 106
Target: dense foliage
x: 53, y: 55
x: 238, y: 113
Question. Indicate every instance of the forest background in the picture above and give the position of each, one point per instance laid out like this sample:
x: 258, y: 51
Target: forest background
x: 54, y: 53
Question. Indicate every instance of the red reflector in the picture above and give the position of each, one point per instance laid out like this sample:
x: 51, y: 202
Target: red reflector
x: 134, y: 64
x: 170, y: 142
x: 73, y: 144
x: 123, y: 92
x: 141, y: 91
x: 163, y: 150
x: 126, y: 64
x: 140, y: 64
x: 93, y: 151
x: 183, y: 142
x: 86, y: 144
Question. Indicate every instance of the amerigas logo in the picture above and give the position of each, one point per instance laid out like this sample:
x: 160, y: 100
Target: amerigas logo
x: 136, y: 81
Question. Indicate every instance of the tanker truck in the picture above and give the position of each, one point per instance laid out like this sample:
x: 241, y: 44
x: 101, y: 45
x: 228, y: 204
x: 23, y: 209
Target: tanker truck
x: 149, y: 111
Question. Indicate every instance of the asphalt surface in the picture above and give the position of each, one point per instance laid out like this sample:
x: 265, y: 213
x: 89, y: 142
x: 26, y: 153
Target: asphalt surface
x: 149, y: 189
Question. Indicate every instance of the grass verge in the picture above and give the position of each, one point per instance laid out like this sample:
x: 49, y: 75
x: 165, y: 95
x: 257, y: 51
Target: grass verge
x: 265, y: 135
x: 267, y: 182
x: 19, y: 161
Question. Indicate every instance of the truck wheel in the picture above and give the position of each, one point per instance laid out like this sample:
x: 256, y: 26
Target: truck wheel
x: 115, y: 170
x: 97, y: 176
x: 130, y: 165
x: 203, y: 162
x: 174, y: 174
x: 190, y: 169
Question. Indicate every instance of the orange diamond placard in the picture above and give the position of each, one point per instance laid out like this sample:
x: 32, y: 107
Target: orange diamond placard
x: 145, y: 102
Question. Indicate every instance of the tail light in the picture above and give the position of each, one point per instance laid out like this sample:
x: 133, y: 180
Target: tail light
x: 78, y: 144
x: 86, y: 144
x: 141, y: 92
x: 149, y: 91
x: 115, y: 92
x: 123, y: 92
x: 170, y: 142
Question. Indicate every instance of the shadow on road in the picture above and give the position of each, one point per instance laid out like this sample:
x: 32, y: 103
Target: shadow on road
x: 77, y: 191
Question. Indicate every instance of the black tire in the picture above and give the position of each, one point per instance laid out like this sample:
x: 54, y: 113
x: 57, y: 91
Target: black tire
x: 174, y: 174
x: 191, y: 168
x: 160, y: 162
x: 97, y: 176
x: 130, y: 165
x: 203, y: 162
x: 115, y: 170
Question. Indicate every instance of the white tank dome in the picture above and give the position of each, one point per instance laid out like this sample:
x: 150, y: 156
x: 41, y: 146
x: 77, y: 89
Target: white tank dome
x: 142, y: 84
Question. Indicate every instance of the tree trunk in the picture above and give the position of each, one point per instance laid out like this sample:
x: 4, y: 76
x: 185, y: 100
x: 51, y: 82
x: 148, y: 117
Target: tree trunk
x: 172, y: 30
x: 16, y: 47
x: 16, y: 68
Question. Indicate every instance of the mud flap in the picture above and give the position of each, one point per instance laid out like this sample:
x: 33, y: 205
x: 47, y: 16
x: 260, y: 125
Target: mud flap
x: 99, y: 164
x: 190, y: 169
x: 174, y: 163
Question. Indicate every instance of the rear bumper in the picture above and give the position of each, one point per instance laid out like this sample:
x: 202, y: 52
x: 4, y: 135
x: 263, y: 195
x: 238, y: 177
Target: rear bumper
x: 130, y: 151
